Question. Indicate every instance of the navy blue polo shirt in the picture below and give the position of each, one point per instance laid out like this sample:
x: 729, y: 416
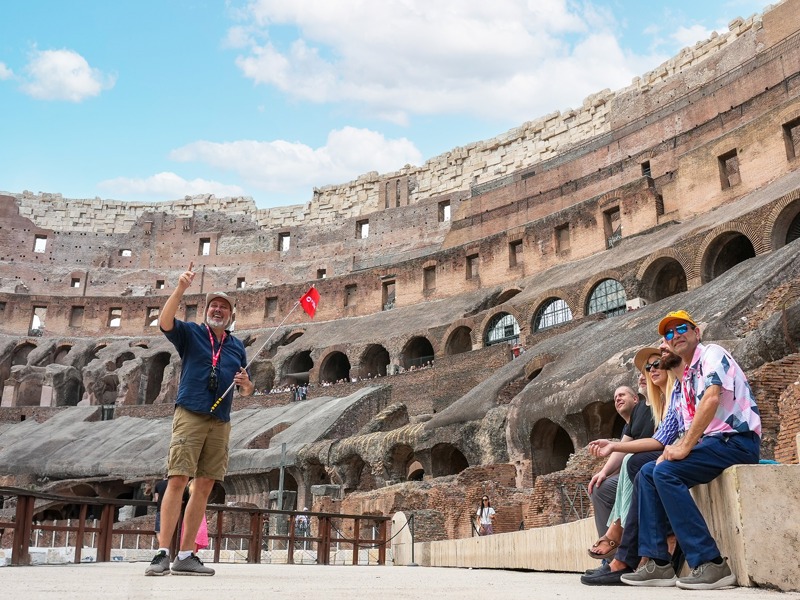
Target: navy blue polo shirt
x: 194, y: 348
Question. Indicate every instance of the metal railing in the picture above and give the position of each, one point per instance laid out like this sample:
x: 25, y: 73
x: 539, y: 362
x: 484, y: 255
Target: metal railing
x: 330, y: 533
x: 575, y: 503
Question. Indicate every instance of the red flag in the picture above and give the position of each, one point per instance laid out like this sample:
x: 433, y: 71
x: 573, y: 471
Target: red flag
x: 309, y: 301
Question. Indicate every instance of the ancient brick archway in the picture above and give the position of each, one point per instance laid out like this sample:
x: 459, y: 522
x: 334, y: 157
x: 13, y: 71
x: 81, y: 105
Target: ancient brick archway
x: 398, y: 462
x: 155, y: 376
x: 334, y: 367
x: 459, y: 341
x: 374, y: 361
x: 446, y: 459
x: 783, y: 224
x: 663, y: 275
x: 725, y: 252
x: 417, y: 352
x: 551, y: 312
x: 296, y: 368
x: 551, y: 447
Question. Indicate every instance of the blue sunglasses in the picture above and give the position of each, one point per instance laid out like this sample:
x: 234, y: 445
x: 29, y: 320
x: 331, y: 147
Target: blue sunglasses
x: 677, y: 330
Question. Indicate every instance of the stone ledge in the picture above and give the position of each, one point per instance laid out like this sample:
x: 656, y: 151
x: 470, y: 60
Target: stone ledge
x: 752, y: 511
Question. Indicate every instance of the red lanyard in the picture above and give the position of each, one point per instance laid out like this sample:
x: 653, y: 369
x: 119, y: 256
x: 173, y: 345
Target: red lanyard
x: 215, y: 355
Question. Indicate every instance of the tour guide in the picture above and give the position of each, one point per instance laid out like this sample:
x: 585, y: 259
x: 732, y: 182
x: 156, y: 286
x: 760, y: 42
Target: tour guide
x: 212, y: 359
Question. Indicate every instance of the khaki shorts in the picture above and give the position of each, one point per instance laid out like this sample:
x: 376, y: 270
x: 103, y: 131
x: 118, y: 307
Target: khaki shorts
x: 199, y: 445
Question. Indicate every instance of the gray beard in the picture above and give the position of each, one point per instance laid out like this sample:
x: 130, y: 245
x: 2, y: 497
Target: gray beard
x: 215, y: 323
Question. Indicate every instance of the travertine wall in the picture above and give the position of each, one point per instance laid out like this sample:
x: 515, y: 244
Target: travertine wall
x: 458, y: 169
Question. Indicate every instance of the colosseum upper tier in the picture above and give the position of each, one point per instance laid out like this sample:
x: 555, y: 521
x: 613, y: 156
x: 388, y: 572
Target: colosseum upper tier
x: 476, y: 312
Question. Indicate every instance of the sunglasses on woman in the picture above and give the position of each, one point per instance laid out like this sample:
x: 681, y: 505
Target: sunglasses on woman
x: 656, y: 364
x: 677, y: 330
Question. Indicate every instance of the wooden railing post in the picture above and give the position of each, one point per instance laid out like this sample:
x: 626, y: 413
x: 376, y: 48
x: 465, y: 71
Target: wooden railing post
x: 106, y: 535
x: 254, y: 543
x: 22, y: 531
x: 79, y: 535
x: 384, y: 535
x: 356, y: 536
x: 290, y: 549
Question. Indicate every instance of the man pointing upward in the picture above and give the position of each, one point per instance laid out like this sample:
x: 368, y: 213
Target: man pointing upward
x: 212, y: 359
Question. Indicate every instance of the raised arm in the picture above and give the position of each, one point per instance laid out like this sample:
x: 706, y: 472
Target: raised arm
x: 166, y: 319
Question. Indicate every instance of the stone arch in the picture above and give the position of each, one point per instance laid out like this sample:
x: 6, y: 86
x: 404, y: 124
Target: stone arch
x: 724, y: 247
x: 663, y: 274
x: 606, y: 294
x: 416, y: 471
x: 551, y: 312
x: 446, y: 459
x: 551, y: 447
x: 274, y: 480
x: 458, y: 341
x: 535, y: 366
x: 356, y: 473
x: 155, y: 376
x: 782, y: 226
x: 602, y: 420
x: 417, y: 351
x: 334, y: 366
x: 507, y: 295
x: 398, y: 461
x: 19, y: 356
x: 95, y: 352
x: 297, y: 367
x: 60, y: 354
x: 292, y: 336
x: 492, y: 318
x: 591, y: 283
x: 374, y: 361
x: 122, y: 359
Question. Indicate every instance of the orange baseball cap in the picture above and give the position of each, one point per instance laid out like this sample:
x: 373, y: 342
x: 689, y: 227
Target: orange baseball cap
x: 677, y: 315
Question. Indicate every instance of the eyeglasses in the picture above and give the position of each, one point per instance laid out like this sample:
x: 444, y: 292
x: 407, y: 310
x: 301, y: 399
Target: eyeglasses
x: 485, y: 499
x: 677, y: 330
x: 656, y: 364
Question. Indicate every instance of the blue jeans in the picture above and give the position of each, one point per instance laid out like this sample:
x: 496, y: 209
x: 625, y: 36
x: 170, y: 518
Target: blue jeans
x: 628, y: 551
x: 664, y: 498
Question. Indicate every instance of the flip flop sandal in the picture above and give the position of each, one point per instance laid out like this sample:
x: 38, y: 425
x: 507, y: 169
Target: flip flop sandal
x: 601, y: 555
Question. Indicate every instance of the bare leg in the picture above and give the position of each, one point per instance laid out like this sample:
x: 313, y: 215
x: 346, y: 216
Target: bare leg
x: 171, y: 508
x: 195, y: 509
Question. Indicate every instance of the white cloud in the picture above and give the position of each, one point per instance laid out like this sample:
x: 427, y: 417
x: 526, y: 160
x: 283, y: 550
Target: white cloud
x: 291, y: 167
x: 505, y: 59
x: 63, y: 75
x: 689, y: 36
x: 165, y: 186
x: 5, y: 72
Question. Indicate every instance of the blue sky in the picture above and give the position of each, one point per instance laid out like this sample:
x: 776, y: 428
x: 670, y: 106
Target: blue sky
x: 152, y: 100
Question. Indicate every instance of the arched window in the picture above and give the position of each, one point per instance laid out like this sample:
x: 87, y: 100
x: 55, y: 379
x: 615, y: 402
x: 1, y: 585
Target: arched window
x: 552, y: 312
x: 502, y: 328
x: 607, y: 297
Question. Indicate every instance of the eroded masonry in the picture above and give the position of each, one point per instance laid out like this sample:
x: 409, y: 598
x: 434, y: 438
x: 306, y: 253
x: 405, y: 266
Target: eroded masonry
x: 476, y: 312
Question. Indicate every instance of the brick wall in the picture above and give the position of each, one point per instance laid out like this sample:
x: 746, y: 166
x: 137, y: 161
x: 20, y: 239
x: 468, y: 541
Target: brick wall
x: 769, y: 383
x: 789, y: 407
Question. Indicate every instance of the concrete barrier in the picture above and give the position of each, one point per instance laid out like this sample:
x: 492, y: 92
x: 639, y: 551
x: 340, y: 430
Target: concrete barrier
x: 753, y: 511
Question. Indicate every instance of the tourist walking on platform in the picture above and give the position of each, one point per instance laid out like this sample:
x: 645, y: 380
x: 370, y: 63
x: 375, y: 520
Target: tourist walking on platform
x: 211, y: 360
